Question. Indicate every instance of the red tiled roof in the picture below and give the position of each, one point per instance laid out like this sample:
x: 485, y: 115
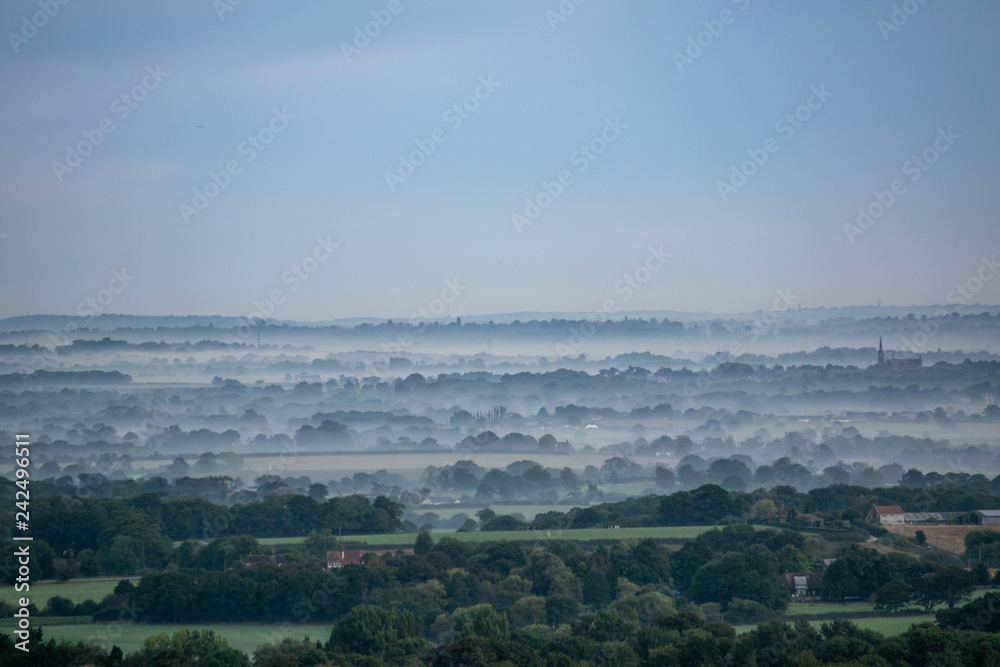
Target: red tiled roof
x: 343, y: 557
x: 888, y: 509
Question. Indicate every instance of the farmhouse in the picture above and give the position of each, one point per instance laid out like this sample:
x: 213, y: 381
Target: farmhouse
x: 988, y: 517
x: 887, y: 515
x: 338, y: 559
x: 802, y: 584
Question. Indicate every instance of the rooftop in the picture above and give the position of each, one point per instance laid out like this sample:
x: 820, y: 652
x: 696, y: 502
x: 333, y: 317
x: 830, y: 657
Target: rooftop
x: 888, y: 509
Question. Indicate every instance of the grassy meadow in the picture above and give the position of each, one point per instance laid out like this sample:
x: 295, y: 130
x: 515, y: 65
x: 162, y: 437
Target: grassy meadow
x: 580, y: 534
x: 889, y: 626
x: 77, y: 590
x: 129, y: 637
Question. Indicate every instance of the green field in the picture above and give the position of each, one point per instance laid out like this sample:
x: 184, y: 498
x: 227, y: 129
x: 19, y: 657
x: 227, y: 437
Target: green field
x: 129, y: 637
x: 580, y: 534
x: 248, y: 637
x: 528, y: 511
x: 796, y: 608
x: 77, y: 590
x: 890, y: 627
x: 819, y: 607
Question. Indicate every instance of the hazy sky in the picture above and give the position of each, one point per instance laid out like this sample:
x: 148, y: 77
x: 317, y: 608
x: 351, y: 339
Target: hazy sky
x: 203, y: 84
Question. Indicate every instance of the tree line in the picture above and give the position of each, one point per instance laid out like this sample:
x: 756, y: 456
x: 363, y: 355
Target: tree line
x: 372, y: 636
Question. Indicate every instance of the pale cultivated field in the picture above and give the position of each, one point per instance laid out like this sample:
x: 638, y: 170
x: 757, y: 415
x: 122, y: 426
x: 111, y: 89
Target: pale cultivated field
x: 949, y: 538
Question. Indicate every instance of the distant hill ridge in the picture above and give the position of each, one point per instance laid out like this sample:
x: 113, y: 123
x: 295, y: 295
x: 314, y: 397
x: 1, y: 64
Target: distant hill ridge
x: 110, y: 322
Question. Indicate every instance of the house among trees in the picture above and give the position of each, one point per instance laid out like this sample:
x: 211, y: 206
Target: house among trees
x: 886, y: 515
x: 789, y: 515
x: 802, y: 584
x: 338, y: 559
x: 258, y: 559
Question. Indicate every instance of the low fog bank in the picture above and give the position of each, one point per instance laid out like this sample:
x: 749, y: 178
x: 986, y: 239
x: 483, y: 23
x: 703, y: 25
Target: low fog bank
x: 541, y: 413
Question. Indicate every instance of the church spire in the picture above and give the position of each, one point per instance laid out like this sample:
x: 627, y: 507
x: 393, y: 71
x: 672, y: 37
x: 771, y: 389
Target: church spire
x: 881, y: 354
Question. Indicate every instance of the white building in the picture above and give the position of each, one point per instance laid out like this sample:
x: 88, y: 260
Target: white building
x: 886, y: 515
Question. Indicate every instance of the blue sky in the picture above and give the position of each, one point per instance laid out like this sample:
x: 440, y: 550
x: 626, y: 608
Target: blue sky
x: 323, y: 176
